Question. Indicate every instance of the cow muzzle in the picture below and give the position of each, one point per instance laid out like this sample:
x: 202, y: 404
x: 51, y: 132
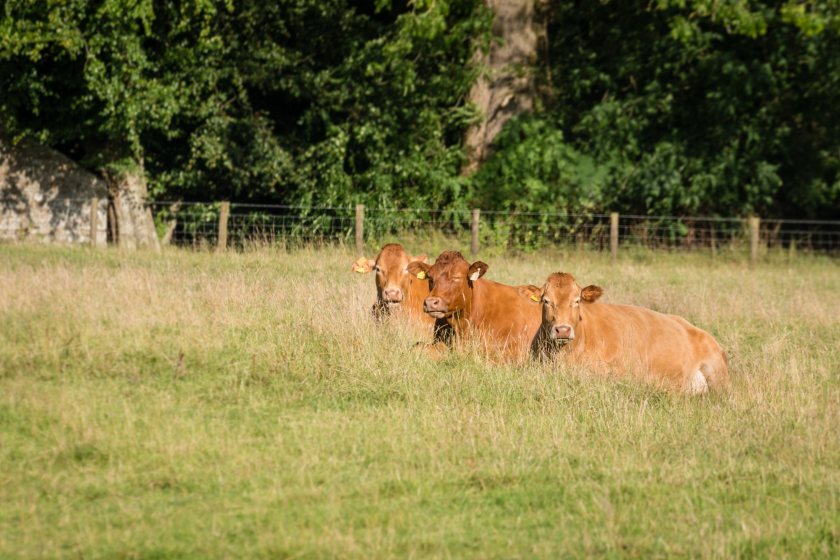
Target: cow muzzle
x: 435, y: 307
x: 392, y: 296
x: 562, y: 334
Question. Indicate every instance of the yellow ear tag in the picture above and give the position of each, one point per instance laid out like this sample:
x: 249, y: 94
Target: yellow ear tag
x: 359, y: 269
x: 421, y: 275
x: 535, y: 297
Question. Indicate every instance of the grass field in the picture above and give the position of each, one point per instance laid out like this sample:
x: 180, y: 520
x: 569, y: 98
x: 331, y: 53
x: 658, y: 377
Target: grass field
x: 245, y: 405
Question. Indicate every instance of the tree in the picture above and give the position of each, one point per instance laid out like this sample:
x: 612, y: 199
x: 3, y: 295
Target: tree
x: 505, y: 86
x: 80, y: 77
x: 211, y: 100
x: 675, y: 106
x: 682, y: 108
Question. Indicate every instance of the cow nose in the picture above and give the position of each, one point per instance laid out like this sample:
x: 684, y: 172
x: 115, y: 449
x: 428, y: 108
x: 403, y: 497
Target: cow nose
x: 392, y: 294
x: 433, y: 304
x: 562, y: 331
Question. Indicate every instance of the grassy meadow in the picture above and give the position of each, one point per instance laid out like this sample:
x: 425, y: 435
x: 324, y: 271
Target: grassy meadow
x: 194, y: 405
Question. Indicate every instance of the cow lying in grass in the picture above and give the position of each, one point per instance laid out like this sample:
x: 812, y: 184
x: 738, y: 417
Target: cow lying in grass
x: 494, y: 314
x: 398, y: 290
x: 395, y: 287
x: 624, y: 338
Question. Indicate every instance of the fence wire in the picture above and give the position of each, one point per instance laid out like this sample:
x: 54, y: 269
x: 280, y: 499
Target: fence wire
x: 195, y: 224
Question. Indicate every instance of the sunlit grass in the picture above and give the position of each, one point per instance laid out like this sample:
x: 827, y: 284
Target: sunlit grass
x: 203, y: 405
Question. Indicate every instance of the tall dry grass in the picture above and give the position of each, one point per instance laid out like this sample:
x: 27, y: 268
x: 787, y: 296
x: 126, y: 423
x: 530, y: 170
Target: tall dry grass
x: 201, y: 405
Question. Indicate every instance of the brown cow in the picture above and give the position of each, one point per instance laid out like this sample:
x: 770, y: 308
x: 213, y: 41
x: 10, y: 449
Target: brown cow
x: 503, y: 321
x: 621, y: 338
x: 395, y: 287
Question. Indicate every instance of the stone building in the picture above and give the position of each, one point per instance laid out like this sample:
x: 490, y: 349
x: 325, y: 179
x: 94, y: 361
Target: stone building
x: 47, y: 197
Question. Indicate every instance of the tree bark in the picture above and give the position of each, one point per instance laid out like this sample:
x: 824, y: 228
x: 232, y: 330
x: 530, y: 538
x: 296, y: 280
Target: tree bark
x: 505, y: 87
x: 171, y: 224
x: 134, y: 227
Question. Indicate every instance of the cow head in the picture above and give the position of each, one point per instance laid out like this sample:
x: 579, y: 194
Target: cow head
x: 392, y: 277
x: 450, y: 283
x: 561, y: 299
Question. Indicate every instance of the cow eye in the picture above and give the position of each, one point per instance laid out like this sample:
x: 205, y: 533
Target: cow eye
x: 377, y: 269
x: 577, y: 301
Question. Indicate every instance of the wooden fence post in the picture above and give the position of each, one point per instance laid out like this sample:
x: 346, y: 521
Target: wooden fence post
x: 614, y: 235
x: 476, y: 215
x: 360, y: 229
x: 713, y: 238
x: 224, y: 214
x: 94, y: 215
x: 755, y: 223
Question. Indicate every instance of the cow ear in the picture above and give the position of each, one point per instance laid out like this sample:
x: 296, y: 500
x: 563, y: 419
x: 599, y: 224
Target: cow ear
x: 420, y: 258
x: 530, y: 292
x: 477, y: 270
x: 591, y: 293
x: 418, y: 269
x: 362, y: 265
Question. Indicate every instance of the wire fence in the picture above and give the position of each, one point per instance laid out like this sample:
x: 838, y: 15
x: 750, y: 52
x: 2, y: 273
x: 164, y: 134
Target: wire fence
x: 196, y: 224
x: 214, y: 225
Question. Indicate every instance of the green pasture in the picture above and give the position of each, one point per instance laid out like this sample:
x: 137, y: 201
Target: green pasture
x: 200, y: 405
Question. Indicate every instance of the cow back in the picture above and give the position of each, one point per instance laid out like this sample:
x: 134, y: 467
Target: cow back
x: 504, y: 320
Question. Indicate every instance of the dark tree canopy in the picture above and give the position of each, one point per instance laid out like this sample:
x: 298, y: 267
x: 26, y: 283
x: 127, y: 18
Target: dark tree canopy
x: 666, y: 107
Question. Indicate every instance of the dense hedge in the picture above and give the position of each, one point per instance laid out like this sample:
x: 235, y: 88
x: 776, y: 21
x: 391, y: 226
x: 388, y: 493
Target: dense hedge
x: 667, y: 107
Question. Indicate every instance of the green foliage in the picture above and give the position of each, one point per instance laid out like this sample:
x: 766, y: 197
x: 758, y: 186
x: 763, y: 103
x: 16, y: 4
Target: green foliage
x: 536, y: 170
x: 752, y: 19
x: 698, y: 107
x: 295, y: 101
x: 740, y: 17
x: 670, y: 107
x: 89, y: 78
x: 393, y: 118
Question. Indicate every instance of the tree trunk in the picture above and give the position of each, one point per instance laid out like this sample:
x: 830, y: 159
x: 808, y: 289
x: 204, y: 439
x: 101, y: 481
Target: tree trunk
x: 505, y: 87
x: 171, y: 224
x: 134, y: 226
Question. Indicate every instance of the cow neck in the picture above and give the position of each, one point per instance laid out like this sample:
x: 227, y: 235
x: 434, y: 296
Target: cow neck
x: 586, y: 317
x: 462, y: 319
